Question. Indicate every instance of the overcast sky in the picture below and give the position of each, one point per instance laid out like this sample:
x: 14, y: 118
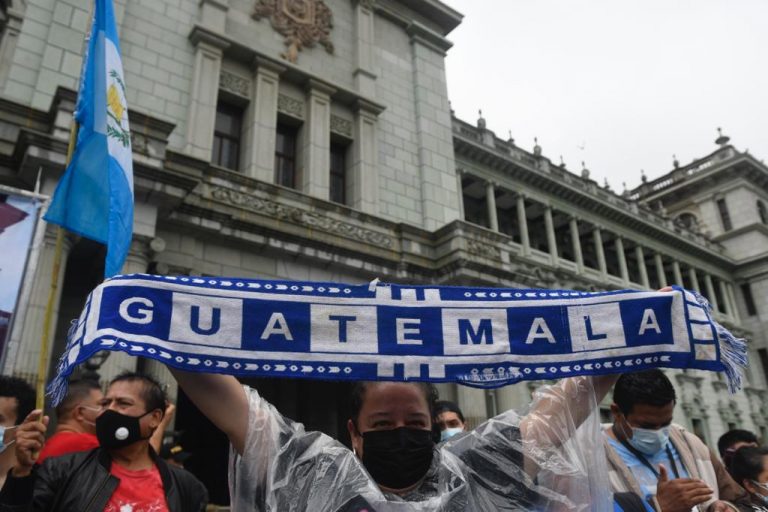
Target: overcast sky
x: 630, y: 82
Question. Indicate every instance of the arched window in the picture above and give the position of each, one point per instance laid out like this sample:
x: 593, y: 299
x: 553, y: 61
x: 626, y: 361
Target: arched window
x: 762, y: 212
x: 688, y: 221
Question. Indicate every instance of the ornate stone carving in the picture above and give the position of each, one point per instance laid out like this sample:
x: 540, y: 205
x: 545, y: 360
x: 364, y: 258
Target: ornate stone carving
x: 309, y: 219
x: 484, y: 248
x: 341, y: 126
x: 290, y: 106
x: 302, y: 22
x: 235, y: 84
x: 138, y: 142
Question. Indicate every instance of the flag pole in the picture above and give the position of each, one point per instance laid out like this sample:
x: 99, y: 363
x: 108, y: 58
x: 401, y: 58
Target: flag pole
x: 48, y: 318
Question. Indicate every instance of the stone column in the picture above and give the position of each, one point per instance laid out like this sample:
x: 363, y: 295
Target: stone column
x: 316, y: 177
x: 513, y: 396
x: 490, y: 203
x: 694, y: 279
x: 660, y: 270
x: 551, y: 239
x: 641, y: 265
x: 471, y: 401
x: 260, y: 131
x: 599, y: 250
x: 25, y: 363
x: 734, y: 311
x: 365, y: 78
x: 676, y: 273
x: 619, y: 244
x: 10, y: 36
x: 576, y: 243
x: 205, y: 85
x: 364, y: 169
x: 460, y: 189
x: 711, y: 293
x: 522, y: 221
x: 433, y: 126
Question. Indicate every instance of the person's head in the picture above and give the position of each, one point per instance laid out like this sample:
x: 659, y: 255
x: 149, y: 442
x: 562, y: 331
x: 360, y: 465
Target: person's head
x: 134, y: 406
x: 17, y: 400
x: 174, y: 454
x: 80, y: 407
x: 732, y: 441
x: 750, y: 469
x: 643, y: 405
x: 391, y: 430
x: 448, y: 419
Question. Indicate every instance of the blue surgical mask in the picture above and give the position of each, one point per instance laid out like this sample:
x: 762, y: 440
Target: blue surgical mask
x: 649, y: 442
x: 762, y: 497
x: 449, y: 433
x: 3, y: 444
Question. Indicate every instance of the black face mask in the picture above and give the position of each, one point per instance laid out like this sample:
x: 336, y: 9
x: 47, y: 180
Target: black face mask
x: 399, y: 457
x: 115, y: 430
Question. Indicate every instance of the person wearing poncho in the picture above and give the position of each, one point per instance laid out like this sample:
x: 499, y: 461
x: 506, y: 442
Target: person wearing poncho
x: 548, y: 459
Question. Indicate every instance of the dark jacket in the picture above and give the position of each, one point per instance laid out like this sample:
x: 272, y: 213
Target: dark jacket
x: 81, y: 482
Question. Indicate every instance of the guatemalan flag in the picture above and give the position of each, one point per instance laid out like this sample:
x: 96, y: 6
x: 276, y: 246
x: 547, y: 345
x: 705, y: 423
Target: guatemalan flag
x: 94, y: 198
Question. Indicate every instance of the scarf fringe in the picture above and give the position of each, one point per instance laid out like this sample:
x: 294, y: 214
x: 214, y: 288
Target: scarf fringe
x: 57, y: 388
x: 733, y: 350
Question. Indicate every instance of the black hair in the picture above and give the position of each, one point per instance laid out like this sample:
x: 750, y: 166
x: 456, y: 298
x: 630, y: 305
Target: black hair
x: 24, y: 394
x: 77, y: 391
x: 649, y: 387
x: 152, y: 394
x: 748, y: 463
x: 442, y: 406
x: 732, y: 437
x: 359, y: 388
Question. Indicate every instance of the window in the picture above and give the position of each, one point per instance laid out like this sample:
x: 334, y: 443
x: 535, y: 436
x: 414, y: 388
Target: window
x: 226, y: 136
x: 763, y: 354
x: 749, y: 300
x: 699, y: 429
x: 338, y: 182
x: 285, y: 155
x: 762, y: 212
x: 724, y: 215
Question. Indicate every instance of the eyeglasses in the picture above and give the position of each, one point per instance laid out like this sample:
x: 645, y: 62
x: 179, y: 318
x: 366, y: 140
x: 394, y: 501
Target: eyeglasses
x: 763, y: 486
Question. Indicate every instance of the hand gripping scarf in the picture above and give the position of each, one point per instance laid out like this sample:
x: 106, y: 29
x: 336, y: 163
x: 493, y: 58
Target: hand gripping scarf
x: 484, y: 337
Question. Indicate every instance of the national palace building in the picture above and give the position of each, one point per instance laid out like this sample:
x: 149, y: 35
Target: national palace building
x: 314, y: 140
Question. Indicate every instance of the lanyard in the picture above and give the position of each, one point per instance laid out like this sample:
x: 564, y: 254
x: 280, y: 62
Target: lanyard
x: 644, y: 460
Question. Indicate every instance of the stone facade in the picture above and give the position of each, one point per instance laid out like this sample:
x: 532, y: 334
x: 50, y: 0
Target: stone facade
x: 428, y: 198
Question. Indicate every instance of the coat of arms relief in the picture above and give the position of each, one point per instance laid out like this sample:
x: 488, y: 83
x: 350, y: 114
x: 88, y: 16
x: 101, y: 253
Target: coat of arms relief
x: 303, y: 23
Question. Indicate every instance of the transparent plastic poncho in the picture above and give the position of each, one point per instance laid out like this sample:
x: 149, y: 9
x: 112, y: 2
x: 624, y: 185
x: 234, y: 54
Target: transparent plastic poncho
x: 548, y: 458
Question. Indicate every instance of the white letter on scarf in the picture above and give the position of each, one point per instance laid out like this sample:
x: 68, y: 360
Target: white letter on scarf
x: 277, y: 325
x: 145, y: 315
x: 649, y: 322
x: 539, y: 330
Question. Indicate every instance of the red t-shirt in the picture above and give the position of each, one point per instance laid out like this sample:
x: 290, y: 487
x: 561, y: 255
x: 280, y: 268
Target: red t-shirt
x: 63, y: 443
x: 139, y: 491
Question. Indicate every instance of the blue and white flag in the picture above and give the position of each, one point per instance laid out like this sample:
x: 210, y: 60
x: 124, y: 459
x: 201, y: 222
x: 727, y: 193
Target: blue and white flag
x: 94, y: 198
x: 477, y: 336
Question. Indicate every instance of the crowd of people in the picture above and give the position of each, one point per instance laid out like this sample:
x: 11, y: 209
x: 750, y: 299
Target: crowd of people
x: 409, y: 451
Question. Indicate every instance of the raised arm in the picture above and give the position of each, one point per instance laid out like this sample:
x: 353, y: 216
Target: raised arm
x: 222, y: 399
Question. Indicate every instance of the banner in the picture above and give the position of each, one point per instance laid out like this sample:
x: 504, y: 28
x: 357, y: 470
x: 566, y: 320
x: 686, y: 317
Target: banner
x: 18, y: 216
x: 477, y: 336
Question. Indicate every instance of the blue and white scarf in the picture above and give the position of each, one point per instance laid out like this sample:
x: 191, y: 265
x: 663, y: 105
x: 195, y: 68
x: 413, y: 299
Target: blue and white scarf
x: 485, y: 337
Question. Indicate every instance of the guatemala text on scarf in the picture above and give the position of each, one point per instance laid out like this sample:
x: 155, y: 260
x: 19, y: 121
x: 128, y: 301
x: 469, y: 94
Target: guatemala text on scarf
x: 484, y: 337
